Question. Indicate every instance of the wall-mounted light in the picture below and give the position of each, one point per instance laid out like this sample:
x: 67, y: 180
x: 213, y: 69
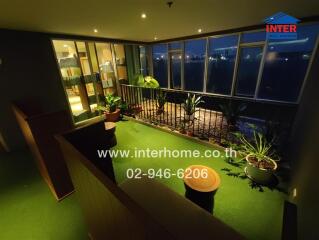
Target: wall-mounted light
x: 155, y: 38
x: 95, y: 30
x: 199, y: 30
x: 143, y: 15
x: 65, y: 45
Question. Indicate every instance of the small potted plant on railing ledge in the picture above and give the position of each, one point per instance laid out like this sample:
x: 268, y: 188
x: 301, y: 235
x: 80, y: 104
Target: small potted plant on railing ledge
x: 232, y: 113
x: 260, y: 165
x: 190, y: 105
x: 182, y: 128
x: 111, y: 110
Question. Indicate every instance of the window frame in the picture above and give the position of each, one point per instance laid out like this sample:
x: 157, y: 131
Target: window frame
x: 262, y: 63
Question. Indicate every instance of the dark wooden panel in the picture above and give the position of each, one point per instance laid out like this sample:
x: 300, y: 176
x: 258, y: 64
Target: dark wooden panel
x: 39, y: 130
x: 109, y: 212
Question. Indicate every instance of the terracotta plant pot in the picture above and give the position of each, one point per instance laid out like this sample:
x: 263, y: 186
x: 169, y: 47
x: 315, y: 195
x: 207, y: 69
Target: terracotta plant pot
x: 258, y: 174
x: 182, y: 131
x: 113, y: 116
x: 190, y: 133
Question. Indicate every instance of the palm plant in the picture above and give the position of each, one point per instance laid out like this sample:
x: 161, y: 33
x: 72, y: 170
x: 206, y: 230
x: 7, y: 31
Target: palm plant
x: 160, y: 102
x: 258, y: 147
x: 191, y: 103
x: 232, y: 112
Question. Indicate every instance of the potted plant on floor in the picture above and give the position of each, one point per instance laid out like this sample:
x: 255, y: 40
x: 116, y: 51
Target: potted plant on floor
x: 111, y: 110
x: 160, y: 102
x: 190, y: 105
x: 260, y: 165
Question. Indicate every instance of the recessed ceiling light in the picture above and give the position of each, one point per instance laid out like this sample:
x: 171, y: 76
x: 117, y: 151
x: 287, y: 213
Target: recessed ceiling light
x: 199, y: 30
x: 95, y: 30
x: 65, y: 45
x: 143, y: 15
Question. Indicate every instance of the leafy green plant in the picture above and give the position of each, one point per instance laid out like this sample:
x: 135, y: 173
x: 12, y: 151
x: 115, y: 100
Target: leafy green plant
x: 191, y: 103
x: 148, y: 81
x: 112, y: 102
x: 160, y: 102
x: 232, y: 112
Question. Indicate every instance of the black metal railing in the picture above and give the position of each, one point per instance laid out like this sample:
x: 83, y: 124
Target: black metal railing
x: 207, y: 122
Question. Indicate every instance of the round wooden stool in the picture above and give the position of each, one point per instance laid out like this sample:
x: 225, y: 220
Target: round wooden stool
x: 201, y: 184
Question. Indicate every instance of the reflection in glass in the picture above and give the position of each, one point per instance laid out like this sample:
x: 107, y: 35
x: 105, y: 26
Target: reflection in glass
x: 253, y: 37
x: 194, y: 64
x: 143, y: 61
x: 86, y: 70
x: 221, y: 61
x: 69, y: 64
x: 104, y: 55
x: 175, y: 46
x: 175, y: 64
x: 160, y: 64
x: 248, y: 68
x: 120, y: 61
x: 286, y: 65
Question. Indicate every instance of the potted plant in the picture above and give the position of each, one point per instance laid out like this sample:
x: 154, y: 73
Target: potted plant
x: 160, y: 102
x: 260, y: 165
x: 190, y: 105
x: 111, y: 110
x: 231, y: 113
x: 182, y: 128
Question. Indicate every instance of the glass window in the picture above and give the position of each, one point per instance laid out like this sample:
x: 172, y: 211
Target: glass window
x: 286, y: 63
x: 160, y: 64
x: 194, y: 66
x: 221, y: 61
x: 175, y: 65
x: 253, y: 37
x: 143, y: 61
x: 248, y: 68
x: 175, y: 45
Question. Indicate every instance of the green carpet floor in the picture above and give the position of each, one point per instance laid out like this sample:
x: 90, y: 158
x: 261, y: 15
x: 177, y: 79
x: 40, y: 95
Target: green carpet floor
x: 255, y: 214
x: 28, y: 210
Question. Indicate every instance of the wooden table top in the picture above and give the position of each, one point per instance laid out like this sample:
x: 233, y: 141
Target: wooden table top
x: 109, y: 125
x: 201, y: 182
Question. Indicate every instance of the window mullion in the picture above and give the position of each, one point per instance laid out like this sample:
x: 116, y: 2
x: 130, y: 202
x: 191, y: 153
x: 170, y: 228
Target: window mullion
x: 236, y: 66
x: 261, y: 68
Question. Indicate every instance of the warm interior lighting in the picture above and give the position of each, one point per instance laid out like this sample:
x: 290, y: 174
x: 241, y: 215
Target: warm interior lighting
x: 143, y: 15
x: 65, y: 45
x: 294, y: 192
x: 95, y: 30
x: 155, y: 38
x: 200, y: 30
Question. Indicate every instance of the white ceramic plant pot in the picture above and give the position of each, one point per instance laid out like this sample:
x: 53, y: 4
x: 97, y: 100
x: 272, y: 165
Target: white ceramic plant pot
x: 260, y: 175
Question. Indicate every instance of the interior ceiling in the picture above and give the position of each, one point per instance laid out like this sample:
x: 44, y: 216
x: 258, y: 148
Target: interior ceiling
x: 121, y: 19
